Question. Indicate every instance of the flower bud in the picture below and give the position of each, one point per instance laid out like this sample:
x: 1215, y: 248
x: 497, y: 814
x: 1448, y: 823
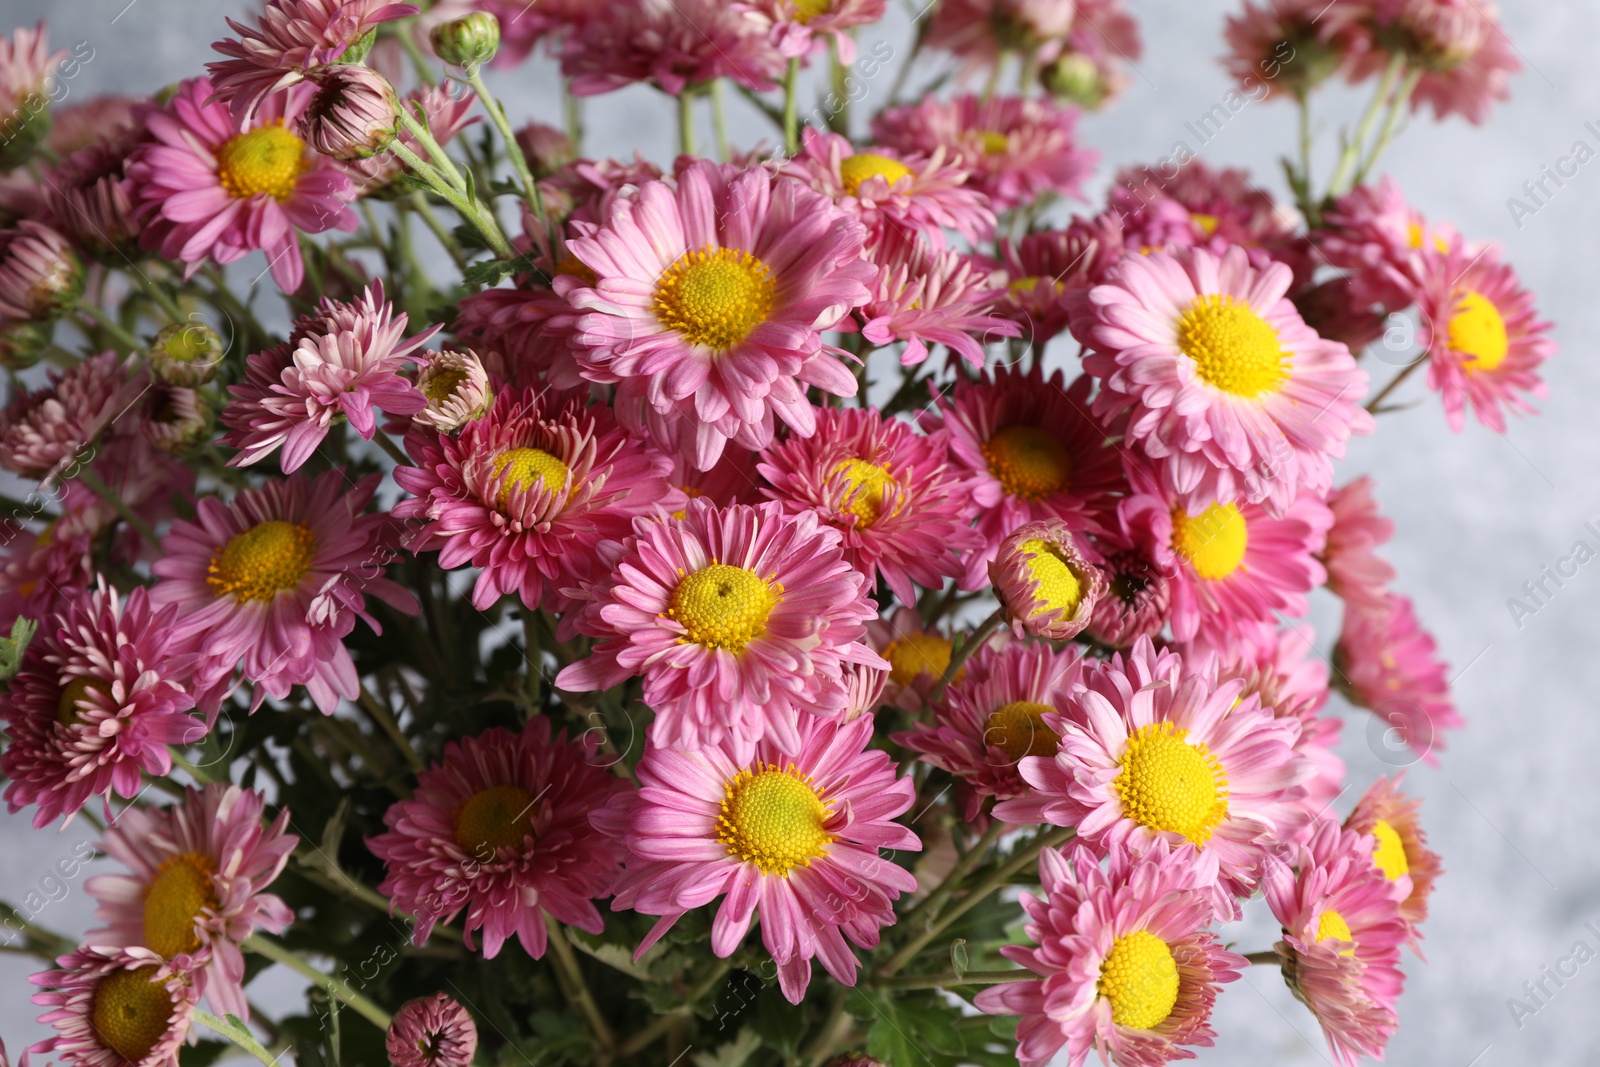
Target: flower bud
x: 353, y: 115
x: 1074, y: 77
x: 26, y: 66
x: 1138, y: 597
x: 1046, y: 586
x: 22, y: 343
x: 176, y: 418
x: 40, y: 275
x: 457, y: 388
x: 432, y: 1031
x: 546, y: 148
x: 469, y: 41
x: 185, y: 353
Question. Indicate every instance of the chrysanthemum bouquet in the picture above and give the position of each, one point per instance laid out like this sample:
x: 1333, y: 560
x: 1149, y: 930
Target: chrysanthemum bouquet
x: 573, y: 597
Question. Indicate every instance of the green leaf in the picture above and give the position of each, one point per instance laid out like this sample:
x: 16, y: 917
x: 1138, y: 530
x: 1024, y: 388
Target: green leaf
x: 489, y: 272
x: 781, y: 1025
x: 203, y: 1054
x: 732, y: 1054
x: 12, y: 648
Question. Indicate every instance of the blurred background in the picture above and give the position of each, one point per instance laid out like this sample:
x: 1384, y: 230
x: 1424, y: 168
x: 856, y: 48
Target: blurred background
x: 1514, y: 803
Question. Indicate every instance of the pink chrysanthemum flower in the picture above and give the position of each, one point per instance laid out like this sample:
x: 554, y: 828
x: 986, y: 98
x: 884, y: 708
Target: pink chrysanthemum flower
x: 446, y: 112
x: 1228, y: 564
x: 102, y: 691
x: 457, y: 389
x: 1138, y: 595
x: 1153, y: 751
x: 501, y: 828
x: 198, y: 871
x: 671, y: 44
x: 207, y: 188
x: 1049, y: 273
x: 1373, y: 232
x: 1465, y: 56
x: 732, y: 480
x: 1484, y: 338
x: 708, y: 303
x: 48, y: 430
x: 1355, y: 571
x: 1046, y: 584
x: 1400, y: 847
x: 800, y: 27
x: 42, y: 570
x: 923, y: 295
x: 1292, y: 46
x: 917, y: 657
x: 1033, y: 452
x: 1389, y: 664
x: 345, y: 360
x: 921, y: 192
x: 995, y: 717
x: 527, y: 493
x: 980, y: 32
x: 736, y: 617
x: 292, y: 38
x: 1342, y: 932
x: 431, y: 1031
x: 88, y: 195
x: 1018, y: 149
x: 272, y: 581
x: 899, y: 506
x: 1126, y: 965
x: 115, y: 1008
x: 792, y: 837
x: 41, y: 277
x: 1224, y: 386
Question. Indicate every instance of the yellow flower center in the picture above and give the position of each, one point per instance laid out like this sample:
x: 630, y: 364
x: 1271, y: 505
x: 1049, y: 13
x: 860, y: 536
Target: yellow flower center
x: 263, y: 561
x: 1018, y: 728
x: 1206, y: 224
x: 1028, y: 461
x: 1140, y: 979
x: 1168, y: 784
x: 714, y: 297
x: 1477, y: 329
x: 1059, y: 587
x: 74, y: 693
x: 1213, y: 541
x: 1331, y: 925
x: 180, y: 891
x: 863, y: 165
x: 131, y: 1012
x: 773, y: 817
x: 916, y: 654
x: 1234, y: 349
x: 494, y: 818
x: 266, y: 160
x: 529, y: 467
x: 867, y: 483
x: 441, y: 385
x: 1029, y: 282
x: 1390, y: 855
x: 723, y: 607
x: 994, y: 142
x: 1414, y: 234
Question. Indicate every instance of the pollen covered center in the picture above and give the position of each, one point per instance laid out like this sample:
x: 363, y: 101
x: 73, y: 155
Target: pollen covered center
x: 132, y: 1011
x: 1213, y: 541
x: 494, y: 818
x: 180, y: 891
x: 1018, y: 729
x: 1234, y: 349
x: 1390, y: 855
x: 266, y: 160
x: 262, y: 562
x: 526, y: 467
x: 714, y: 297
x: 994, y: 142
x: 73, y: 694
x: 916, y: 654
x: 1140, y: 979
x: 1168, y: 784
x: 773, y: 817
x: 438, y: 388
x: 1028, y: 461
x: 1477, y: 329
x: 863, y: 165
x: 1332, y: 926
x: 866, y: 486
x: 723, y: 607
x: 1059, y: 588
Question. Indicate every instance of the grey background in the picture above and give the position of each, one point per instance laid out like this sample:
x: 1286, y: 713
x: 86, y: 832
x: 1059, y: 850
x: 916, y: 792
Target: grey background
x: 1514, y: 805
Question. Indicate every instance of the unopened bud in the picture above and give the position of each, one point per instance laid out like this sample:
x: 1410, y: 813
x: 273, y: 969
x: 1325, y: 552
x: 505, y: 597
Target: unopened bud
x: 185, y: 353
x: 353, y: 115
x: 469, y: 41
x: 40, y: 276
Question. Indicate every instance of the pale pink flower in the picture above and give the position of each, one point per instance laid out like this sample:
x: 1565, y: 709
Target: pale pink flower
x: 1355, y: 571
x: 801, y: 27
x: 154, y: 1004
x: 47, y: 431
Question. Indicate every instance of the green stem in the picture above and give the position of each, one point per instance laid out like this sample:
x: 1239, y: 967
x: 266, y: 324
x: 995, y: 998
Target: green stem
x: 237, y: 1034
x: 991, y: 86
x: 436, y: 153
x: 1269, y: 957
x: 949, y: 981
x: 839, y: 120
x: 384, y: 719
x: 394, y: 451
x: 686, y: 122
x: 110, y: 325
x: 791, y: 107
x: 424, y: 210
x: 418, y: 60
x: 1391, y: 123
x: 817, y: 1053
x: 958, y: 657
x: 336, y: 987
x: 574, y: 115
x: 1000, y: 877
x: 92, y: 482
x: 643, y: 1039
x: 719, y: 121
x: 469, y: 210
x: 1394, y: 383
x: 566, y: 964
x: 1352, y: 149
x: 497, y: 115
x: 159, y: 294
x: 929, y: 906
x: 197, y: 772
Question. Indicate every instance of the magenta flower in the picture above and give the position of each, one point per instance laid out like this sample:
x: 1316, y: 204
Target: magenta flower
x: 925, y: 296
x: 115, y: 1008
x: 671, y: 46
x: 708, y: 303
x: 1049, y: 273
x: 1400, y: 847
x: 501, y: 828
x: 1355, y: 571
x: 1125, y: 964
x: 271, y: 582
x: 737, y: 618
x: 208, y: 188
x: 195, y: 888
x: 801, y: 27
x: 431, y: 1031
x: 47, y: 431
x: 527, y: 494
x: 793, y: 837
x: 1389, y: 664
x: 345, y: 360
